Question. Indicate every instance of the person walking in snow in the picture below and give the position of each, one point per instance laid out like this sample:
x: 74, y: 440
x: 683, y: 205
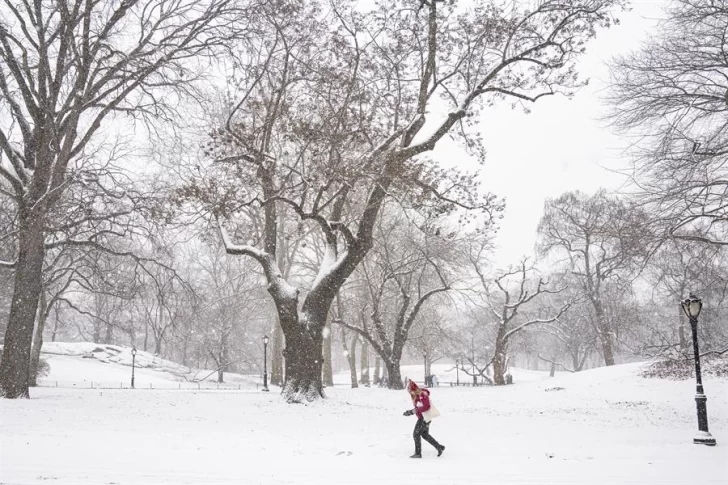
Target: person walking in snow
x: 421, y: 400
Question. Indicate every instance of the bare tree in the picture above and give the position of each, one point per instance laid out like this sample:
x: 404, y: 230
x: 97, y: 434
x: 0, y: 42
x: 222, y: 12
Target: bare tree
x: 671, y: 93
x: 679, y: 268
x: 405, y: 270
x: 331, y: 119
x: 512, y: 299
x: 66, y: 68
x: 600, y: 238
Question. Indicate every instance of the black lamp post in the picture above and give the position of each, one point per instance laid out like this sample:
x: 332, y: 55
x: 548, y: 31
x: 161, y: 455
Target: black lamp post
x: 133, y: 364
x: 457, y: 372
x: 692, y: 306
x: 265, y: 363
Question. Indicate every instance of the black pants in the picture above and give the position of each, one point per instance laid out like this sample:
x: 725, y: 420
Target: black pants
x: 422, y: 430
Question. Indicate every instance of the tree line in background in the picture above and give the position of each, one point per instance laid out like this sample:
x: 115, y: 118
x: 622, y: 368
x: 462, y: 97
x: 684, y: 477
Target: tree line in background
x: 284, y: 187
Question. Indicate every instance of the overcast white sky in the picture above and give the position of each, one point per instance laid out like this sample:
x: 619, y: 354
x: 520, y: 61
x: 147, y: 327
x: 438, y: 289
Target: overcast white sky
x: 561, y: 145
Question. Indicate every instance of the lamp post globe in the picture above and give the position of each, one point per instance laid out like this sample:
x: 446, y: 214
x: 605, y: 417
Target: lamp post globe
x: 265, y: 362
x: 133, y: 365
x: 692, y: 306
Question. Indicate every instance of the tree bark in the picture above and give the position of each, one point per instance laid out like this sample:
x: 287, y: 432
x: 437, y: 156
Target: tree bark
x: 377, y: 370
x: 328, y: 374
x: 38, y: 339
x: 276, y: 357
x: 364, y: 363
x: 499, y: 358
x: 303, y: 368
x: 394, y: 375
x: 15, y: 367
x: 304, y: 345
x: 605, y: 335
x: 350, y: 355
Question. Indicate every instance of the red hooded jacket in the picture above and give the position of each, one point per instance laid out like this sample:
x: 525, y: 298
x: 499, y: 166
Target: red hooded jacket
x: 422, y: 402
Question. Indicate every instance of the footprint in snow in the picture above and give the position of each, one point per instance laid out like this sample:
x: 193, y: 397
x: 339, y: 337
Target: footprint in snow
x: 344, y: 453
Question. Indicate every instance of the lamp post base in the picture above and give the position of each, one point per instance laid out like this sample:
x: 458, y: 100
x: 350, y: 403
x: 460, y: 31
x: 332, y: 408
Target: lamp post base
x: 265, y: 389
x: 704, y: 438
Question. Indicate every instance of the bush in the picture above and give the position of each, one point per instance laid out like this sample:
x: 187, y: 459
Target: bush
x: 681, y: 369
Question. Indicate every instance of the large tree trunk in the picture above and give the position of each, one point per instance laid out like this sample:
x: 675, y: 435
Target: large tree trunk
x: 303, y: 367
x: 304, y: 346
x: 276, y: 357
x: 38, y: 339
x: 498, y: 370
x: 351, y: 358
x: 499, y: 358
x: 364, y: 364
x: 56, y: 321
x: 394, y: 375
x: 377, y: 370
x: 15, y: 367
x: 328, y: 376
x: 605, y: 334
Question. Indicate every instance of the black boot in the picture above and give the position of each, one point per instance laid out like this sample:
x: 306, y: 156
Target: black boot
x: 416, y: 455
x: 440, y: 450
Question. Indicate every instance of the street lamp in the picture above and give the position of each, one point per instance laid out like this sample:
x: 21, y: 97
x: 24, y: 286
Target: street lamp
x: 457, y: 373
x: 692, y: 306
x: 265, y: 363
x: 133, y: 364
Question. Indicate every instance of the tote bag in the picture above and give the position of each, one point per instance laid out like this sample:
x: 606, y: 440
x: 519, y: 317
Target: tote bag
x: 431, y: 413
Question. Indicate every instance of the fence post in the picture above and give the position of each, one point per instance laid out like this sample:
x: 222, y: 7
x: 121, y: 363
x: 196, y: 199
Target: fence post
x: 150, y: 385
x: 121, y: 385
x: 56, y: 383
x: 179, y: 386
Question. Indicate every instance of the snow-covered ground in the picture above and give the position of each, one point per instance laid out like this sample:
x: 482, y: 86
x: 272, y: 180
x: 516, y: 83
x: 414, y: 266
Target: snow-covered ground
x: 605, y: 426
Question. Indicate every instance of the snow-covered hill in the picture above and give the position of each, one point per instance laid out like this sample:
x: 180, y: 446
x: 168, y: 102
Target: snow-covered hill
x: 86, y: 364
x: 607, y: 426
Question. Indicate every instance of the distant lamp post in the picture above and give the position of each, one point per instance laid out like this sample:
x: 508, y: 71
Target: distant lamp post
x: 265, y: 363
x: 692, y: 306
x: 133, y: 365
x: 457, y: 372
